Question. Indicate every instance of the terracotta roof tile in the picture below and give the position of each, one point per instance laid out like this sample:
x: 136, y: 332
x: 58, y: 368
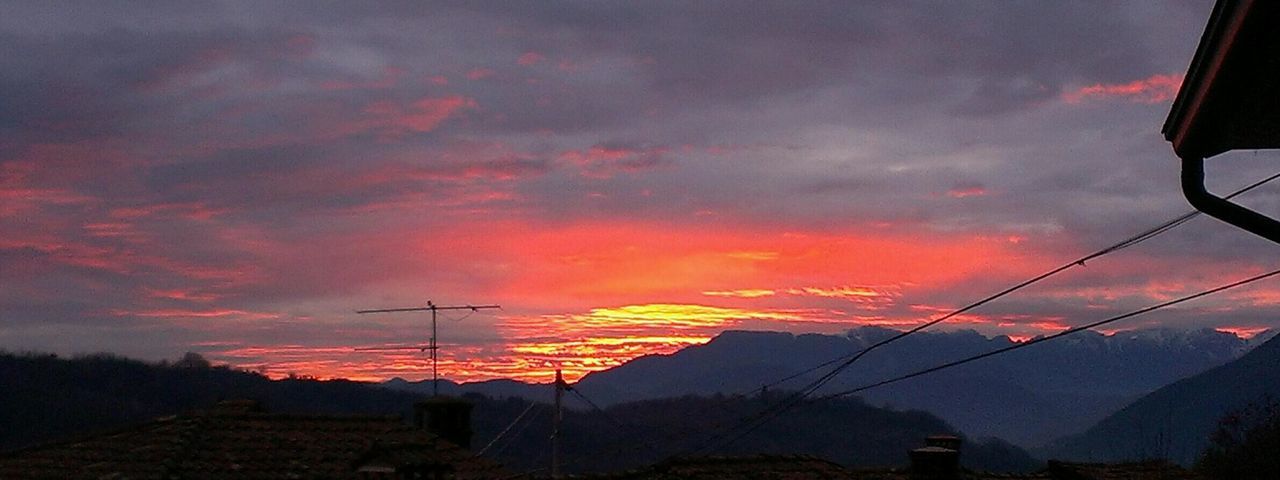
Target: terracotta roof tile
x: 1148, y: 470
x: 752, y: 467
x: 245, y: 443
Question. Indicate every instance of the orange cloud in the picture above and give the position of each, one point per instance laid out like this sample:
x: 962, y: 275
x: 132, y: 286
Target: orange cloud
x: 1153, y: 89
x: 743, y: 293
x: 587, y: 296
x: 856, y: 294
x: 1243, y: 332
x: 842, y: 292
x: 590, y: 264
x: 210, y: 313
x: 605, y: 337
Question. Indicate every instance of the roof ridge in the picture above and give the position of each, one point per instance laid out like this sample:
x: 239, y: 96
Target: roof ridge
x: 336, y: 417
x: 138, y: 426
x: 189, y: 427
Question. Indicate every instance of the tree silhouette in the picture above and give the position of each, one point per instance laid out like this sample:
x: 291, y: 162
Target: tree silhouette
x: 1245, y: 443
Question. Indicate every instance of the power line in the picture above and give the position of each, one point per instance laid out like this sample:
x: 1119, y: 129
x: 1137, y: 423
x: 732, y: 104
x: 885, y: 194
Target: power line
x: 608, y: 416
x: 516, y: 435
x: 505, y: 430
x: 947, y: 365
x: 952, y: 364
x: 1063, y: 333
x: 847, y: 360
x: 1123, y: 244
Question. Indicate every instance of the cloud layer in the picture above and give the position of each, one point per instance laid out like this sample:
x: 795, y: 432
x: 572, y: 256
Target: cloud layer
x: 237, y: 179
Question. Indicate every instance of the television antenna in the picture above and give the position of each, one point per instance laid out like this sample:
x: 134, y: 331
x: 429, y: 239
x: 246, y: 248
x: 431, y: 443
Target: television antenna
x: 433, y: 346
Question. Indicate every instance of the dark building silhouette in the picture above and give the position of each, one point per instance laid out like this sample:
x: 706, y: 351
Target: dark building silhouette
x: 939, y: 459
x: 1228, y: 101
x: 238, y: 440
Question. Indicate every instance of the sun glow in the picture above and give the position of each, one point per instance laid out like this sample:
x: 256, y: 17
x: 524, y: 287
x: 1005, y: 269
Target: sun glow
x: 581, y: 297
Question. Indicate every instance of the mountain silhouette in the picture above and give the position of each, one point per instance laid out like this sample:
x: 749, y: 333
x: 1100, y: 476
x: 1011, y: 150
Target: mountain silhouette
x: 1176, y: 421
x: 55, y: 398
x: 1029, y: 396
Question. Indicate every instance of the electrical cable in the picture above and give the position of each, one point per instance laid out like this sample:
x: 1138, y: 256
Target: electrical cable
x: 1123, y: 244
x: 788, y: 402
x: 505, y: 430
x: 608, y: 416
x: 1063, y: 333
x: 518, y: 432
x: 1028, y: 343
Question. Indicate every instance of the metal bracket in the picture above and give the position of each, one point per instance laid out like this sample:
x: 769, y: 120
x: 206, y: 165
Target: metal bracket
x: 1221, y: 208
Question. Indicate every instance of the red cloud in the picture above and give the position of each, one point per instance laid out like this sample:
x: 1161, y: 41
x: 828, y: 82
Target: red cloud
x: 424, y: 115
x: 967, y: 191
x: 501, y: 168
x: 530, y: 58
x: 603, y: 161
x: 1153, y: 89
x: 182, y: 294
x: 392, y: 119
x: 480, y: 73
x: 189, y: 211
x: 72, y: 253
x: 390, y: 77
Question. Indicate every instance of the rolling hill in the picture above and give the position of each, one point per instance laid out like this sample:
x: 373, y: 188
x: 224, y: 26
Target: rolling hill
x: 1175, y: 421
x: 1029, y: 396
x: 47, y: 398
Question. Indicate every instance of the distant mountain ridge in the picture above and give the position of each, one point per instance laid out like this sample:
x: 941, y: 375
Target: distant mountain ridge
x: 50, y: 399
x: 1029, y: 396
x: 1175, y: 421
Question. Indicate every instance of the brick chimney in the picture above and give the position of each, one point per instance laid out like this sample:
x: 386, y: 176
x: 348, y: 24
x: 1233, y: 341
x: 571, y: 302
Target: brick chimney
x: 939, y: 459
x: 446, y: 417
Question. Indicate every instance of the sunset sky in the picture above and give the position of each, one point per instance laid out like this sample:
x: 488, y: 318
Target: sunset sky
x: 237, y: 179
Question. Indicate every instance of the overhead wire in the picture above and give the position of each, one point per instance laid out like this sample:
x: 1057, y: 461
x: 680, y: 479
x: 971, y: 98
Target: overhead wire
x: 518, y: 432
x: 846, y: 360
x: 1126, y: 243
x: 608, y: 416
x: 1028, y: 343
x: 505, y: 430
x: 1017, y: 346
x: 849, y: 359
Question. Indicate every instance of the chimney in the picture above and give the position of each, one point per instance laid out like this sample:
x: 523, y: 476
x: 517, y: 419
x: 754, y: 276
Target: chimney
x: 939, y: 459
x: 446, y: 417
x: 943, y: 441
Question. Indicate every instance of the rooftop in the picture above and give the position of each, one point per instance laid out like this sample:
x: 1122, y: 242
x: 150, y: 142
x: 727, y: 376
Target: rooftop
x: 239, y: 440
x: 1227, y: 100
x: 805, y: 467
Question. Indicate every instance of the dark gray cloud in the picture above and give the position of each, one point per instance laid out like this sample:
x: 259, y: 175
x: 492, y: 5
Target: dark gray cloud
x: 169, y: 156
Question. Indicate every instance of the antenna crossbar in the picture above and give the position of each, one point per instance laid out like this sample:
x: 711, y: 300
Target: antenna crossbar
x: 434, y: 347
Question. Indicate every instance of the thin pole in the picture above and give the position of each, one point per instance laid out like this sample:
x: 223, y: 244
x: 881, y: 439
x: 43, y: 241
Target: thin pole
x: 555, y: 427
x: 435, y: 353
x: 434, y: 345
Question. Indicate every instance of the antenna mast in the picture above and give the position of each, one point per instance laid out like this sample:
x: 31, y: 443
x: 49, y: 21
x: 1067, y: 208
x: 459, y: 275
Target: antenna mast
x: 433, y: 346
x: 556, y: 418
